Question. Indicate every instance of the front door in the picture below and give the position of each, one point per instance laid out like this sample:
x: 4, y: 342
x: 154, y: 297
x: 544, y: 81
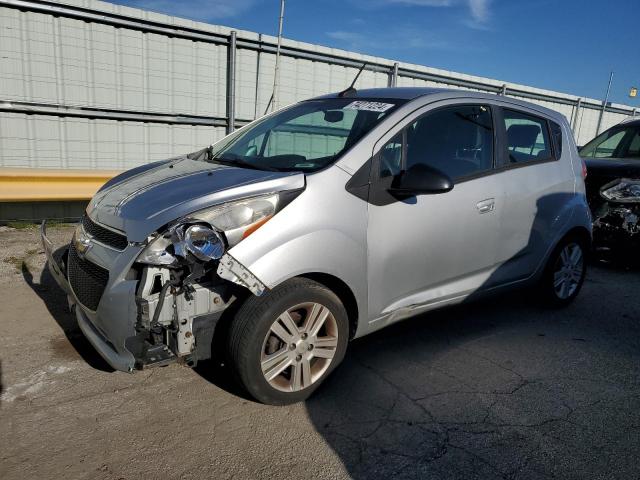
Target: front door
x: 432, y: 248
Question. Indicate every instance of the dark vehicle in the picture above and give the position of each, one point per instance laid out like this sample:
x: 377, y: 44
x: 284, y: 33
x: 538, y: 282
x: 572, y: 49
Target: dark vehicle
x: 613, y: 189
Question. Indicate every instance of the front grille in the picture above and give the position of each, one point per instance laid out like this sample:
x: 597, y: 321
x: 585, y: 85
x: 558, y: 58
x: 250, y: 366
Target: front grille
x: 104, y: 235
x: 87, y: 279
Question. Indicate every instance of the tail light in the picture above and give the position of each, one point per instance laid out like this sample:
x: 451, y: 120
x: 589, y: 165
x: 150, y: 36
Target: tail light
x: 584, y: 169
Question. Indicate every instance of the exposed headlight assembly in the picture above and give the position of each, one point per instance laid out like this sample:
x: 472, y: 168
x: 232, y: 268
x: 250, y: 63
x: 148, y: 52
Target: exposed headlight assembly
x: 204, y: 242
x: 623, y: 190
x: 206, y: 234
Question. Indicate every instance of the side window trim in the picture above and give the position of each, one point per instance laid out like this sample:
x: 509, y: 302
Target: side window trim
x: 553, y: 146
x: 556, y: 144
x: 497, y: 139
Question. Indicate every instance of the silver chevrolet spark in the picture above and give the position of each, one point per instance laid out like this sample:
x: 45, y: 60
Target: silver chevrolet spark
x: 324, y: 222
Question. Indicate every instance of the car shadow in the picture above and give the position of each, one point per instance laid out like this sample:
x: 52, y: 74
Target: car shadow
x: 218, y: 373
x: 74, y: 344
x: 371, y: 411
x: 216, y: 370
x: 438, y: 326
x: 616, y: 263
x: 442, y: 395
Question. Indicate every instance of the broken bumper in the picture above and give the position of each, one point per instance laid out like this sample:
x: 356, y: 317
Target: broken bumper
x: 616, y: 228
x: 92, y: 323
x: 114, y: 304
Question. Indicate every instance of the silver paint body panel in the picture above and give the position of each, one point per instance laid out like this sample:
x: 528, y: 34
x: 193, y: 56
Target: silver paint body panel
x: 406, y: 258
x: 398, y: 260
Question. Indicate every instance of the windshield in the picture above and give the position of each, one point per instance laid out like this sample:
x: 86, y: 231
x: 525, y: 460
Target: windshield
x: 617, y: 142
x: 305, y: 137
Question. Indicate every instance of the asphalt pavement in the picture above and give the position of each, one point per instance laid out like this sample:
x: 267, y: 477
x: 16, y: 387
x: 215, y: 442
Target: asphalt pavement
x: 503, y: 388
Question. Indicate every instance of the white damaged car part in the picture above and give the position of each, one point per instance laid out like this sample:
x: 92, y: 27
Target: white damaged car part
x: 185, y: 275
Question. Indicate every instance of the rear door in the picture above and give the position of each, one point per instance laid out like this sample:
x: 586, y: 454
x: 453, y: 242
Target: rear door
x: 536, y: 185
x: 431, y: 248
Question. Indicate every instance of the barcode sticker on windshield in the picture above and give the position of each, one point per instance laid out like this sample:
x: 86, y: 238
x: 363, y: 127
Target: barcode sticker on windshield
x: 369, y: 106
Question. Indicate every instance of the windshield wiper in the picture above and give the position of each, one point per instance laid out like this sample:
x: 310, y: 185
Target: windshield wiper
x: 239, y: 162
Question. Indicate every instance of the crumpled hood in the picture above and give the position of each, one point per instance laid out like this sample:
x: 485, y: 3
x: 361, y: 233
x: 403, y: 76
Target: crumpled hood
x: 141, y: 201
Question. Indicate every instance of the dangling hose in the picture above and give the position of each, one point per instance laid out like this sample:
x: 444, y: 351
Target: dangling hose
x: 163, y: 293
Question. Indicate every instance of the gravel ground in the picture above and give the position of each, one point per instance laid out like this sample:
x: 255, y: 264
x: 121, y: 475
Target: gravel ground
x: 497, y: 389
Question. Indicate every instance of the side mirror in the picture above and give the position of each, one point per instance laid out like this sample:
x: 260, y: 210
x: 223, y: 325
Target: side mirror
x: 421, y: 179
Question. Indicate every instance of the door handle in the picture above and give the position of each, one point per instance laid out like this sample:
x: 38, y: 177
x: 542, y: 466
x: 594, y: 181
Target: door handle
x: 486, y: 206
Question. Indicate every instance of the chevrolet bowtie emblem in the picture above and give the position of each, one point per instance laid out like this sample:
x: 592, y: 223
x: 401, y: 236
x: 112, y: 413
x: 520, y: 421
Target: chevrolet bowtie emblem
x: 82, y: 241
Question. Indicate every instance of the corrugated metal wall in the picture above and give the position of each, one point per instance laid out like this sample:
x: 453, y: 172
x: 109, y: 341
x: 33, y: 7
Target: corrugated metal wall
x: 61, y: 142
x: 89, y: 84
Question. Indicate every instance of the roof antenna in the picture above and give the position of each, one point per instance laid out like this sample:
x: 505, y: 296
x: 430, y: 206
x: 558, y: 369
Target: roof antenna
x: 349, y: 92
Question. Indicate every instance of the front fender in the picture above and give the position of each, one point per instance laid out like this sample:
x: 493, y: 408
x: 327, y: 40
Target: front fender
x: 324, y: 251
x: 322, y: 231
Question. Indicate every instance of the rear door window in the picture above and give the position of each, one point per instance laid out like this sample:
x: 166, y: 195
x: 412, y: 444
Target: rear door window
x: 527, y: 138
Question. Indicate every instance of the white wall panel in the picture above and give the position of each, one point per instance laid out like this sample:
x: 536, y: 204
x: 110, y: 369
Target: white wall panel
x: 60, y: 142
x: 587, y: 124
x: 56, y: 60
x: 66, y: 61
x: 246, y: 71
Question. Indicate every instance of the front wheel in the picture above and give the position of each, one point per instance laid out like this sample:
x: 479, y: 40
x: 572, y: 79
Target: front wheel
x: 283, y: 345
x: 565, y: 272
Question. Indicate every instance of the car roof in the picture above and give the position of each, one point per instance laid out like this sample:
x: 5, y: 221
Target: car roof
x: 631, y: 121
x: 413, y: 93
x: 403, y: 93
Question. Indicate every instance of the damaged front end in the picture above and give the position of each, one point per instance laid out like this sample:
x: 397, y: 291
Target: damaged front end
x: 158, y: 301
x: 616, y: 225
x: 188, y: 279
x: 178, y: 311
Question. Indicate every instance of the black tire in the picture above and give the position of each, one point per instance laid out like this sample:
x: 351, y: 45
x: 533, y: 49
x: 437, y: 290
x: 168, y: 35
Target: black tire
x: 550, y: 294
x: 253, y: 321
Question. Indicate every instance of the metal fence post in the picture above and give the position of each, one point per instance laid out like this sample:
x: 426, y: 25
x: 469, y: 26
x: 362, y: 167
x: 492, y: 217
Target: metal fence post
x: 576, y: 115
x: 601, y: 116
x: 393, y: 75
x: 231, y: 83
x: 604, y: 105
x: 503, y: 90
x: 255, y: 100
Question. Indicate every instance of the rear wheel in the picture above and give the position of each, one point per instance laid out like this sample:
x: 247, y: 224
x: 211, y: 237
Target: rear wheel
x: 565, y: 272
x: 283, y: 345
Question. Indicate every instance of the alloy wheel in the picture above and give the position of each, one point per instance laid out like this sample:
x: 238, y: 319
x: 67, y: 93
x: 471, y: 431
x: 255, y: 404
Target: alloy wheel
x: 299, y: 347
x: 569, y: 270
